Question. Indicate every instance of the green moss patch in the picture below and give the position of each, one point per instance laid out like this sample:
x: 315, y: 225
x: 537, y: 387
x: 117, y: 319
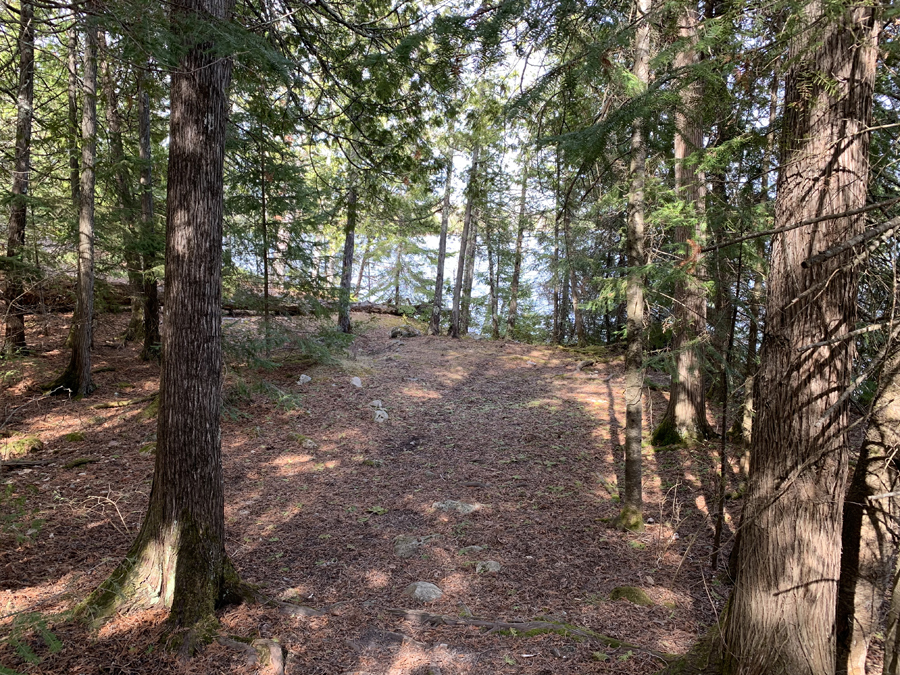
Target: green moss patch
x: 74, y: 437
x: 666, y: 433
x: 632, y: 594
x: 21, y: 446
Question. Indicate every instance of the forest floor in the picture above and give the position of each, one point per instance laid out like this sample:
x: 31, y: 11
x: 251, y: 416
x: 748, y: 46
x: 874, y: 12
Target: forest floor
x: 318, y: 492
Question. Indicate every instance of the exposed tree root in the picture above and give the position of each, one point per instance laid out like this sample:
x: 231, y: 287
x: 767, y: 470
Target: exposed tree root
x: 527, y: 628
x: 124, y: 403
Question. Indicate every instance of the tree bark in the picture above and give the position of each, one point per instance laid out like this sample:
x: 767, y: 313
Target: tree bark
x: 434, y: 328
x: 513, y: 315
x: 18, y: 208
x: 685, y: 417
x: 347, y: 261
x: 178, y: 559
x: 869, y: 539
x: 76, y: 379
x: 631, y: 515
x: 781, y: 616
x: 148, y: 247
x: 455, y: 319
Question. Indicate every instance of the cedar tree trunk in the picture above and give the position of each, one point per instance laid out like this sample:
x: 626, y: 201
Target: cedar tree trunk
x: 869, y: 532
x: 781, y: 616
x: 631, y: 515
x: 148, y: 246
x: 18, y: 208
x: 685, y: 417
x: 178, y: 559
x: 76, y: 379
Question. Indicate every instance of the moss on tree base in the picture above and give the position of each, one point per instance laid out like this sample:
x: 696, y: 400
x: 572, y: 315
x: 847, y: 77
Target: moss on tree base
x: 666, y: 433
x: 630, y: 518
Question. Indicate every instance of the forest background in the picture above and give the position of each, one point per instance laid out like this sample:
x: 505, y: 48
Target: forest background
x: 615, y: 175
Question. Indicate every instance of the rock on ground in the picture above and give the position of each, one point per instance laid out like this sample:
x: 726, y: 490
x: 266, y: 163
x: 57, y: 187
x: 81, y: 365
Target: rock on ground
x: 423, y: 591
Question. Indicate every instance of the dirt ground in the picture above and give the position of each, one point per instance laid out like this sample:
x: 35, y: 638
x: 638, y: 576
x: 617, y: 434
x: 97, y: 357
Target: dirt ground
x: 317, y: 491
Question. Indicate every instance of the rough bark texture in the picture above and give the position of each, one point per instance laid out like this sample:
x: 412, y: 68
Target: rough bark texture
x: 869, y: 531
x: 685, y: 417
x: 631, y: 515
x: 513, y: 313
x: 455, y: 317
x: 150, y: 294
x: 178, y: 558
x: 347, y: 262
x: 780, y: 618
x: 434, y: 328
x: 76, y: 379
x: 18, y: 207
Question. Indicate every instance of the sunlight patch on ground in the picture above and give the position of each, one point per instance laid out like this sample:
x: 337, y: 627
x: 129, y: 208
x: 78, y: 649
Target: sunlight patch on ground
x: 377, y: 579
x: 419, y: 393
x: 45, y: 597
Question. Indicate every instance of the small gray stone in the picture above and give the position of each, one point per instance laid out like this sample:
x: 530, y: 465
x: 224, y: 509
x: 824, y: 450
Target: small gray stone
x: 423, y: 591
x: 356, y: 382
x: 309, y: 444
x: 487, y: 566
x: 469, y: 550
x: 407, y: 545
x: 462, y: 508
x: 304, y: 379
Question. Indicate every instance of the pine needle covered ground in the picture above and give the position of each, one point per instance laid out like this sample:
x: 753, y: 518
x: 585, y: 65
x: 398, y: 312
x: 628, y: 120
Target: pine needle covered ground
x: 330, y: 509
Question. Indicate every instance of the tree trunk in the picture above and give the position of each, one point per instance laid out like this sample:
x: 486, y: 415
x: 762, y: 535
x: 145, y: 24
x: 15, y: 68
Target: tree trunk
x: 362, y: 266
x: 578, y: 329
x: 76, y: 379
x: 125, y: 201
x: 347, y: 262
x: 517, y: 262
x: 869, y: 540
x: 556, y: 335
x: 469, y: 277
x: 397, y: 270
x: 631, y: 515
x: 434, y: 328
x: 148, y: 246
x: 493, y: 283
x: 178, y: 559
x: 264, y: 227
x: 464, y: 244
x: 781, y: 617
x: 74, y: 177
x: 18, y: 207
x: 685, y: 417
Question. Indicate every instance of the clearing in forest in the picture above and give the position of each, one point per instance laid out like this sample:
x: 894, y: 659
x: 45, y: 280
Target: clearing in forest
x: 492, y: 477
